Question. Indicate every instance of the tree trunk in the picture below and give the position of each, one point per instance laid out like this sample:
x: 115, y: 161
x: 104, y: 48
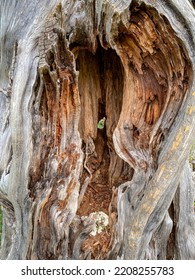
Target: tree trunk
x: 96, y: 121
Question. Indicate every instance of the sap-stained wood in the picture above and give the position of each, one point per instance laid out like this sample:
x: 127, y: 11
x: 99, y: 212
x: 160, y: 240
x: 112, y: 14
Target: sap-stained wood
x: 70, y: 65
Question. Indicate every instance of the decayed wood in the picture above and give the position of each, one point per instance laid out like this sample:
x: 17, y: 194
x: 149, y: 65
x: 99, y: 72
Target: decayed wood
x: 64, y: 66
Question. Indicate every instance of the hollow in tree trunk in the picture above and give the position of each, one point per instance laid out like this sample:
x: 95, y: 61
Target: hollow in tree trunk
x: 97, y: 116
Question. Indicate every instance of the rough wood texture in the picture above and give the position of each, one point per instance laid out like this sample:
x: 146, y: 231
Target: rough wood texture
x: 66, y: 65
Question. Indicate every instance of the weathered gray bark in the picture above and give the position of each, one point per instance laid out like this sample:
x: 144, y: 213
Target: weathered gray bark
x: 63, y: 67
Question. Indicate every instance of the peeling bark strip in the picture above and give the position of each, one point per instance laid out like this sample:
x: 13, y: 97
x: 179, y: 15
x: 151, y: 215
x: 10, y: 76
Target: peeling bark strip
x: 66, y: 66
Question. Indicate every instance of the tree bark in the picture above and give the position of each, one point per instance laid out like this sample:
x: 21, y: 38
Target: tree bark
x: 97, y: 116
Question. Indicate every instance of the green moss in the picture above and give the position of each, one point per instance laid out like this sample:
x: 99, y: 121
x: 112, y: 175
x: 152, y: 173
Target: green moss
x: 192, y: 151
x: 191, y: 154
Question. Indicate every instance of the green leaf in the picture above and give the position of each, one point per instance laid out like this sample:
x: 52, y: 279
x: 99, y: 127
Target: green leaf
x: 101, y: 123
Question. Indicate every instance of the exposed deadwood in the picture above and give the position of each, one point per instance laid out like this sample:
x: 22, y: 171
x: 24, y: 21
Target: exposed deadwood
x: 185, y: 223
x: 64, y: 66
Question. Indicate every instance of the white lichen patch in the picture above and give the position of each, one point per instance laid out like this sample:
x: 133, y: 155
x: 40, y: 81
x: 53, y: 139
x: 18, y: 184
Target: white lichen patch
x: 100, y: 221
